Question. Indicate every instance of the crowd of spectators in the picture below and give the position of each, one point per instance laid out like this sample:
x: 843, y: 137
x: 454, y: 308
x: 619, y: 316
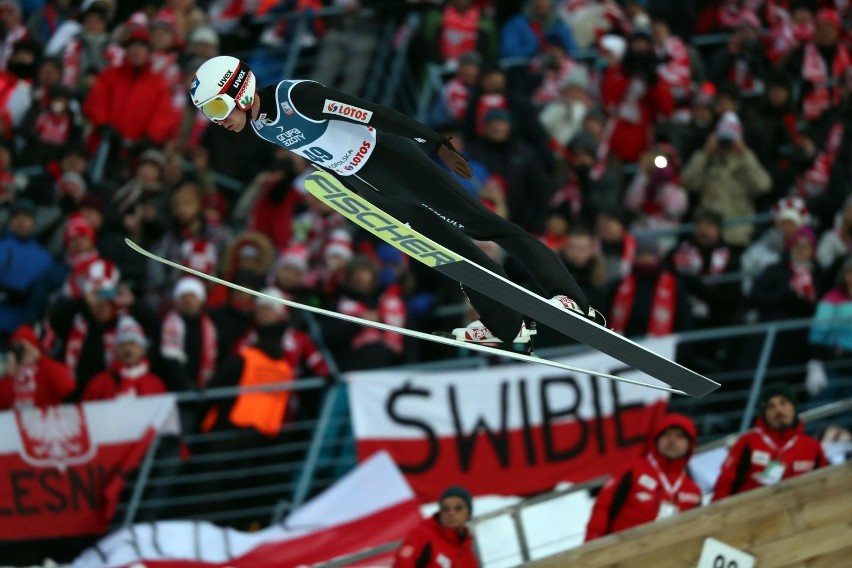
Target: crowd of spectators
x: 599, y: 125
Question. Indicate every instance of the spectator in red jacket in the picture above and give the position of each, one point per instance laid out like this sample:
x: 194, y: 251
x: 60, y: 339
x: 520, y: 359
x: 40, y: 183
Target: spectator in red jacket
x: 30, y: 378
x: 442, y: 539
x: 654, y: 486
x: 131, y: 104
x: 776, y: 448
x: 130, y: 372
x: 635, y: 97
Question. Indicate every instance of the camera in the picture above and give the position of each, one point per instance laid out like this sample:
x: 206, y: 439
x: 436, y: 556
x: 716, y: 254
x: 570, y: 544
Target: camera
x: 18, y: 350
x: 726, y: 143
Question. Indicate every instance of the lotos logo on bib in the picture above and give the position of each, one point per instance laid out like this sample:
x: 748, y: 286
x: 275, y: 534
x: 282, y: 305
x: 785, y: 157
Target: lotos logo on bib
x: 351, y: 112
x: 359, y: 156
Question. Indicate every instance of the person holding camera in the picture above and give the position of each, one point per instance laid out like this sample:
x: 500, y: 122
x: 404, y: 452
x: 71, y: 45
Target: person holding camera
x: 727, y: 177
x: 30, y: 378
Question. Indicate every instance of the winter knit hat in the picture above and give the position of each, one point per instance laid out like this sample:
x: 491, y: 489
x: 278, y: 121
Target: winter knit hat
x: 461, y: 493
x: 790, y: 208
x: 25, y: 333
x: 190, y: 285
x: 295, y: 256
x: 805, y: 232
x: 280, y: 309
x: 199, y: 255
x: 777, y: 389
x: 78, y: 226
x: 103, y: 278
x: 129, y: 330
x: 729, y: 127
x: 339, y: 243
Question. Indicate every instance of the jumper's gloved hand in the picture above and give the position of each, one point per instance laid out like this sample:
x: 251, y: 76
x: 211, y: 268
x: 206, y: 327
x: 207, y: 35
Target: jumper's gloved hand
x: 453, y: 160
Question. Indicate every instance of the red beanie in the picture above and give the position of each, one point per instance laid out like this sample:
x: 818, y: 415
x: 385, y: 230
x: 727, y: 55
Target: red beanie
x: 78, y: 226
x: 25, y: 333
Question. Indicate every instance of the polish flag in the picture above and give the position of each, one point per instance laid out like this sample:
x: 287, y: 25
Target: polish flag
x: 369, y: 507
x: 63, y: 466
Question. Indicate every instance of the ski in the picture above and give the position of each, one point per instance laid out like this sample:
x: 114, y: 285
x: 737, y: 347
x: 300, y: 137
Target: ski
x: 330, y: 191
x: 401, y: 330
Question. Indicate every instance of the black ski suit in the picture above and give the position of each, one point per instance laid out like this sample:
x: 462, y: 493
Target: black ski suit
x: 401, y: 179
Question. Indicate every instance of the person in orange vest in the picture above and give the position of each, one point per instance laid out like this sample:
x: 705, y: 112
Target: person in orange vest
x: 257, y: 418
x: 443, y: 539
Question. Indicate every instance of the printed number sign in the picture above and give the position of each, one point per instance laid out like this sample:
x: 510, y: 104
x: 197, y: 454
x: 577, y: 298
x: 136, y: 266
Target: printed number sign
x: 717, y: 554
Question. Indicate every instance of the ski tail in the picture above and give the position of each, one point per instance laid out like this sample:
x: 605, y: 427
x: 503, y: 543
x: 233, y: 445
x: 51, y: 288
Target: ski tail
x: 401, y: 330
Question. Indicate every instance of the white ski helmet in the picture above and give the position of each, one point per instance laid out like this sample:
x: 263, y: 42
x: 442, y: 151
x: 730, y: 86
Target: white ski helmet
x: 221, y: 84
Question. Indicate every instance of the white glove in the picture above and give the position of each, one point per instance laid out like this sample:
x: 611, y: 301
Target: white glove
x: 815, y: 380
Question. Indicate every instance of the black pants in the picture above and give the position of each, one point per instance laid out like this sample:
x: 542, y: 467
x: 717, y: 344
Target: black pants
x: 402, y: 180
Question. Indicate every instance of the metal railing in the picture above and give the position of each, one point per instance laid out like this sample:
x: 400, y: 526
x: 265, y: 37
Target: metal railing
x: 316, y: 451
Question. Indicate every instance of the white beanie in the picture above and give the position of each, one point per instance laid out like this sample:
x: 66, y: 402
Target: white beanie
x: 280, y: 308
x: 129, y: 330
x: 190, y: 285
x: 339, y: 243
x: 729, y: 127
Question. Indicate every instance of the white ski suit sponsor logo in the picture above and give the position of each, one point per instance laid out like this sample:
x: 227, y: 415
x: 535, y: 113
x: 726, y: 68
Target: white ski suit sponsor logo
x: 290, y: 137
x: 348, y: 111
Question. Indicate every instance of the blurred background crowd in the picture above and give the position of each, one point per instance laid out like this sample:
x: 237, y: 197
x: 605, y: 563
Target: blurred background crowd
x: 686, y: 184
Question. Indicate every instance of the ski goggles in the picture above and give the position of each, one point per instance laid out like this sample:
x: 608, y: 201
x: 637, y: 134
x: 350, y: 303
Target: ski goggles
x: 218, y: 108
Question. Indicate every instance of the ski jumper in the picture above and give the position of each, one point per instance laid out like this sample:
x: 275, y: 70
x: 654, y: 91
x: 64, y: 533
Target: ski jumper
x: 381, y: 154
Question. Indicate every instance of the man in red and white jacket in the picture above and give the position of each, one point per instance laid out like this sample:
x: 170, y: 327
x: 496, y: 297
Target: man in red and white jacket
x: 443, y: 539
x: 31, y: 378
x: 130, y: 372
x: 654, y: 486
x: 776, y: 448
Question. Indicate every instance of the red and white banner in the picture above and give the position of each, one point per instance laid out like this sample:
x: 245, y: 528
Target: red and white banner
x: 61, y: 467
x: 506, y: 430
x: 370, y: 506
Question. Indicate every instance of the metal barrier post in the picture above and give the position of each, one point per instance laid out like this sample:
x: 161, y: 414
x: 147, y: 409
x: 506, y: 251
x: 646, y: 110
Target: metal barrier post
x: 759, y: 375
x: 99, y: 163
x: 522, y: 535
x: 307, y: 473
x: 295, y: 48
x: 139, y: 488
x: 400, y: 61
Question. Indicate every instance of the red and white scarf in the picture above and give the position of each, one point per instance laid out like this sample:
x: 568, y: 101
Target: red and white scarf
x: 815, y: 70
x: 391, y: 311
x: 689, y: 260
x: 77, y: 337
x: 52, y: 128
x: 802, y: 282
x: 814, y: 181
x: 628, y: 253
x: 662, y: 309
x: 173, y: 344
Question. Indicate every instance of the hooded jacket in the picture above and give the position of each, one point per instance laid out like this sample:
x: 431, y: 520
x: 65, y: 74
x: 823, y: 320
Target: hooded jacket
x: 432, y: 545
x: 643, y: 489
x: 748, y: 459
